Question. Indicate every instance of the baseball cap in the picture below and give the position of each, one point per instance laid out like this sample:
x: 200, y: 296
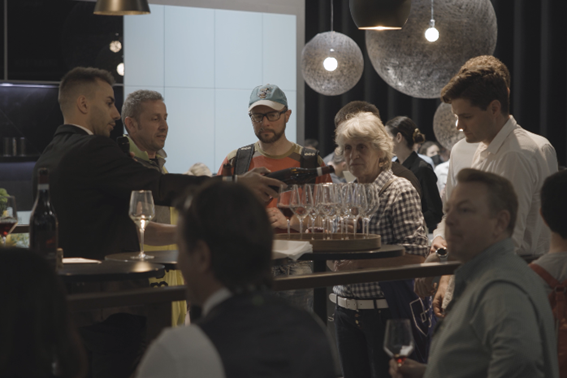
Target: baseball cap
x: 270, y: 95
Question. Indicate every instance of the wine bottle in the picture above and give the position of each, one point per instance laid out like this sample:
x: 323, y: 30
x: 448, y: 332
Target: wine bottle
x: 43, y: 222
x: 298, y: 175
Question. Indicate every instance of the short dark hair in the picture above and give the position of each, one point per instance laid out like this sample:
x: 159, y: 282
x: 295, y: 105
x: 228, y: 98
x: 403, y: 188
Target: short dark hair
x: 79, y: 81
x: 234, y: 224
x: 407, y: 127
x: 554, y: 202
x: 35, y: 325
x: 353, y: 108
x: 501, y: 194
x: 480, y: 85
x: 488, y: 61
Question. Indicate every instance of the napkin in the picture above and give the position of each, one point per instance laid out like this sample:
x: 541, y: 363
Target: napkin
x: 79, y: 260
x: 290, y: 248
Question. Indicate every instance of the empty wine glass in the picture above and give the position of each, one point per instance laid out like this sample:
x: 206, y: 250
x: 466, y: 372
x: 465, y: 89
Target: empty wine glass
x: 142, y: 210
x: 398, y: 341
x: 313, y: 212
x: 370, y: 204
x: 284, y: 202
x: 353, y: 203
x: 325, y: 203
x: 8, y: 216
x: 300, y: 204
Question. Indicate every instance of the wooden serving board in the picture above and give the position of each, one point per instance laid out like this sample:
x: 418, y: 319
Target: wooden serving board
x: 337, y: 242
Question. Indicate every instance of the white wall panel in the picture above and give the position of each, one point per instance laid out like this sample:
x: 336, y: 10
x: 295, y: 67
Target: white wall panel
x: 233, y: 128
x: 144, y: 48
x: 278, y: 50
x: 291, y: 127
x: 238, y: 49
x: 189, y: 47
x: 191, y: 136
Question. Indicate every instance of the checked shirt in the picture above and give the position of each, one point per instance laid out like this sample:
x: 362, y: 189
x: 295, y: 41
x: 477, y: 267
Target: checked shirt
x: 398, y: 220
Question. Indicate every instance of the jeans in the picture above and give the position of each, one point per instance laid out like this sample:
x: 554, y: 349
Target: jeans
x: 302, y: 298
x: 360, y: 339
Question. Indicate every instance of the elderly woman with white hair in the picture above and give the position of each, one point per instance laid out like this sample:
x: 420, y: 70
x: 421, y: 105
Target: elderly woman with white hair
x: 363, y: 309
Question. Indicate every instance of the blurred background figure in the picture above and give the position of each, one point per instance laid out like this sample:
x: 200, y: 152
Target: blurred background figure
x: 339, y: 163
x: 199, y: 169
x: 429, y: 148
x: 405, y: 134
x: 311, y: 143
x: 37, y: 337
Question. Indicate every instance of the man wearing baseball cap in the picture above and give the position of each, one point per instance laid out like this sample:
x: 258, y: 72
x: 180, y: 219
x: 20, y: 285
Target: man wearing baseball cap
x: 269, y: 115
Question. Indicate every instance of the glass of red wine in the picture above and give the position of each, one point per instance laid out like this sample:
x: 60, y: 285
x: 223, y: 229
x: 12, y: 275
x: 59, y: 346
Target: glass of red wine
x: 398, y: 342
x: 8, y: 216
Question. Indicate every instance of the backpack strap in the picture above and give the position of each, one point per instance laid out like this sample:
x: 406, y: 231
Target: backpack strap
x: 558, y: 293
x: 243, y: 159
x: 309, y: 158
x: 386, y: 185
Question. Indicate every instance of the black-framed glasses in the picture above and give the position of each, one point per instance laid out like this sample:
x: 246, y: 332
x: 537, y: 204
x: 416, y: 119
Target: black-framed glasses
x: 271, y: 116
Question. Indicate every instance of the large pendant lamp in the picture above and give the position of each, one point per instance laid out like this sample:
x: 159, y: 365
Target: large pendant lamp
x: 121, y: 7
x: 445, y: 127
x: 380, y: 14
x: 331, y: 63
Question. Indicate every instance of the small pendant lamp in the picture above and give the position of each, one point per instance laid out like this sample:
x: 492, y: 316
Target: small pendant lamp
x: 380, y: 14
x: 121, y: 7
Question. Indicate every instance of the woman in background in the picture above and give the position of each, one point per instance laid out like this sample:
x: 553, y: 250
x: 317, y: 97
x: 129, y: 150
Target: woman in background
x: 37, y: 338
x: 405, y: 134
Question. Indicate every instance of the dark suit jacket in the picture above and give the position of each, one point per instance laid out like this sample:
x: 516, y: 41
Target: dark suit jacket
x: 90, y: 183
x: 431, y: 204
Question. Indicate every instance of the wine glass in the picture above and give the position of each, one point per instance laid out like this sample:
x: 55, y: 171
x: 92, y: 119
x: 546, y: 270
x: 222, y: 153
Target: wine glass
x: 142, y: 210
x: 324, y: 200
x: 398, y: 341
x: 310, y: 197
x: 284, y: 202
x: 353, y: 203
x: 300, y: 204
x: 8, y: 216
x: 370, y: 204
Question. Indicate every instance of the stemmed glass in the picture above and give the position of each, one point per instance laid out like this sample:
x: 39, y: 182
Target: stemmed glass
x: 353, y: 203
x: 300, y: 204
x: 284, y: 202
x: 370, y: 204
x: 398, y: 341
x: 325, y: 204
x: 8, y: 216
x: 141, y: 211
x: 311, y: 198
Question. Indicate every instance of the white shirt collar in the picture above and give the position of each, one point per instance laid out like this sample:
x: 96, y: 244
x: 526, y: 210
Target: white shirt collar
x: 218, y: 296
x: 81, y: 127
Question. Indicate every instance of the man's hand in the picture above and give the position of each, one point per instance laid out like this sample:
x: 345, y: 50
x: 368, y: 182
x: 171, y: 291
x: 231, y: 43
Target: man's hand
x: 437, y: 243
x: 409, y: 369
x: 439, y: 296
x: 261, y: 185
x: 424, y: 287
x: 277, y: 219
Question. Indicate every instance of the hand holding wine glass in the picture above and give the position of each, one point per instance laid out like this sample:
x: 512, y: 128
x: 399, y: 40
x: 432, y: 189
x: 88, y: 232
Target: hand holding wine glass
x: 398, y: 341
x: 8, y: 216
x: 142, y: 210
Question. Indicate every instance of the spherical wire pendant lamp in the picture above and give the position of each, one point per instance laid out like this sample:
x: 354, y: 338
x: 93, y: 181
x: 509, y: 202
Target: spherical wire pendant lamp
x: 331, y: 62
x: 445, y: 126
x: 379, y: 14
x: 410, y: 63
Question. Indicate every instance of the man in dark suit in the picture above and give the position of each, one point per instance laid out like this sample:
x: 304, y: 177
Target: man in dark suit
x: 90, y: 183
x: 91, y: 178
x: 246, y: 331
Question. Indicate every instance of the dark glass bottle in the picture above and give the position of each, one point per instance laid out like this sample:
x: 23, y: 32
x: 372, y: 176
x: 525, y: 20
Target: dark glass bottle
x: 298, y: 175
x: 43, y: 221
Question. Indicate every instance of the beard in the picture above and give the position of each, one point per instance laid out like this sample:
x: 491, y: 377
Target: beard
x: 274, y: 138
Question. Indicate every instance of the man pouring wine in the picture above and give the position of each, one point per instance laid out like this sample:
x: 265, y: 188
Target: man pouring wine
x: 269, y: 114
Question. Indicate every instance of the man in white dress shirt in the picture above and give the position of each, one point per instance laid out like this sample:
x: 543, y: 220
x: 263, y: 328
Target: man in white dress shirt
x: 479, y: 97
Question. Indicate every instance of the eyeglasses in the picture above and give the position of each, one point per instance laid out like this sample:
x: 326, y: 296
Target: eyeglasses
x: 271, y: 116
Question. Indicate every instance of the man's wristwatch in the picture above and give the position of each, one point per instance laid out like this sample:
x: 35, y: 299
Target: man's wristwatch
x: 442, y: 254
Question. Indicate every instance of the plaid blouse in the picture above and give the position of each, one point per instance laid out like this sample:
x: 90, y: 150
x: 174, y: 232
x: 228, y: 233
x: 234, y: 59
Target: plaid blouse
x: 399, y: 220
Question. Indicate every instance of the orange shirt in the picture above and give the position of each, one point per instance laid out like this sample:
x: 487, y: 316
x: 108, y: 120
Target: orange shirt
x: 274, y: 163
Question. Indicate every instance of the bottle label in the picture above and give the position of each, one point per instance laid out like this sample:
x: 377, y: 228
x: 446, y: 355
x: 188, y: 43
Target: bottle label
x: 45, y: 243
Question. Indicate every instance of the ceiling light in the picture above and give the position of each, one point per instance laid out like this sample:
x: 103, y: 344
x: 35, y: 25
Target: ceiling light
x: 121, y: 7
x: 380, y: 14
